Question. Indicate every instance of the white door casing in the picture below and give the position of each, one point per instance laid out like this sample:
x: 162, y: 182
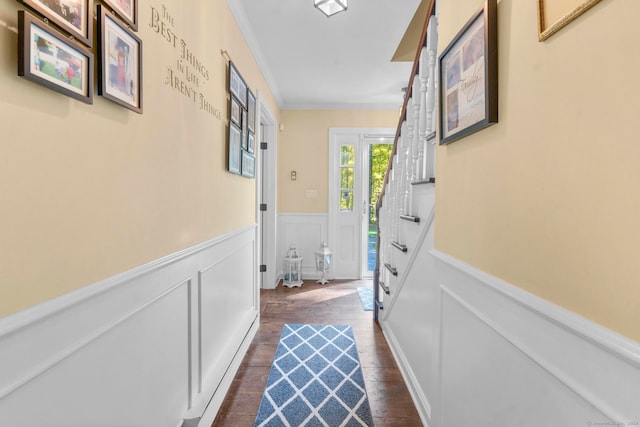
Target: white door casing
x: 266, y: 185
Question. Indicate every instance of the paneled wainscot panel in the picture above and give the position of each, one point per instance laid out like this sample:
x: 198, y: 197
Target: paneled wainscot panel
x: 148, y: 347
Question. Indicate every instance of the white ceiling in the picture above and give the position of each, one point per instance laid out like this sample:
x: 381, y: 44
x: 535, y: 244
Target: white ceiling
x: 314, y: 62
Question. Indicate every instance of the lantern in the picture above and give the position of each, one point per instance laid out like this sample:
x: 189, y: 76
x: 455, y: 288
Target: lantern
x: 292, y: 268
x: 323, y: 262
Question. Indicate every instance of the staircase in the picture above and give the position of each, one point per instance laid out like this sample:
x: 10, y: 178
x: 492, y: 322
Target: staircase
x: 405, y: 208
x: 404, y: 307
x: 472, y: 348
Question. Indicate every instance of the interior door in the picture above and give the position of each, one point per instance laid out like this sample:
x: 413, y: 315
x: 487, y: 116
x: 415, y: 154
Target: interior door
x: 266, y: 155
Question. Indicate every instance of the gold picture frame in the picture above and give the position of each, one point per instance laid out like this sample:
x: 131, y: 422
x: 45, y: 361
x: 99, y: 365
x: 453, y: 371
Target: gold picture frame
x: 559, y: 13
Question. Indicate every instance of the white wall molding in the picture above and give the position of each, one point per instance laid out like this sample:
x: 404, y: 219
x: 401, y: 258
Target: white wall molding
x: 52, y: 360
x: 39, y: 312
x: 408, y: 311
x: 605, y: 338
x: 582, y: 362
x: 425, y: 227
x: 144, y: 347
x: 474, y: 349
x: 531, y: 354
x: 408, y: 375
x: 307, y: 231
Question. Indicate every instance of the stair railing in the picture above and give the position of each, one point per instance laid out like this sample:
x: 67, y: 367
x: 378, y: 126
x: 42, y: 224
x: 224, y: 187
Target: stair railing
x: 411, y: 158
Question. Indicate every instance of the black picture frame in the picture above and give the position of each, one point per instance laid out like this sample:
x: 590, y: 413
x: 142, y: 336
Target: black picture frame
x: 251, y: 143
x: 468, y: 88
x: 237, y: 86
x: 235, y: 109
x: 248, y: 165
x: 76, y: 20
x: 234, y: 148
x: 47, y: 57
x: 251, y: 111
x: 120, y: 62
x: 127, y: 10
x: 245, y: 131
x: 243, y: 93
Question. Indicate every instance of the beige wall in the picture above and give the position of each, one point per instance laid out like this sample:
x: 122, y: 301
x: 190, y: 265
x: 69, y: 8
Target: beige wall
x: 303, y: 146
x: 548, y: 198
x: 89, y: 191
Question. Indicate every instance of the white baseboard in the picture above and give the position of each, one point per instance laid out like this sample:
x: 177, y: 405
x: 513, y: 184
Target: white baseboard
x: 205, y: 418
x: 138, y: 349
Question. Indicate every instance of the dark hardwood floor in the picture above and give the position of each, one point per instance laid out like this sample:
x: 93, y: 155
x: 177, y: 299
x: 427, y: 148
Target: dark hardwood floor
x: 334, y: 303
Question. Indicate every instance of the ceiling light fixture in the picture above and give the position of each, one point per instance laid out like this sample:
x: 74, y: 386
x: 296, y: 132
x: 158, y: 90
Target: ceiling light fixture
x: 330, y: 7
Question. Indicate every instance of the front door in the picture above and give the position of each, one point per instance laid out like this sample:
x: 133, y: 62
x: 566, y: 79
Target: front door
x: 348, y: 200
x: 376, y: 153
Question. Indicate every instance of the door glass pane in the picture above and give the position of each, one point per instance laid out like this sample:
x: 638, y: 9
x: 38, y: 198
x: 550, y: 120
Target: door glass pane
x: 346, y: 178
x: 347, y: 156
x: 347, y: 181
x: 346, y: 200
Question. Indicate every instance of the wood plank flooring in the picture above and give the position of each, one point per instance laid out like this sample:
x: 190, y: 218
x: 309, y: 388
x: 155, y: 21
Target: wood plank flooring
x: 334, y: 303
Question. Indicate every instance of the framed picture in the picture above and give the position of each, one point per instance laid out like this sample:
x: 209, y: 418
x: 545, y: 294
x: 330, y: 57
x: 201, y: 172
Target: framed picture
x: 243, y: 93
x: 243, y: 140
x: 73, y: 16
x: 45, y: 56
x: 120, y: 59
x: 251, y: 143
x: 125, y: 9
x: 234, y: 111
x: 237, y: 86
x: 245, y: 131
x: 554, y: 15
x: 251, y: 110
x: 469, y: 77
x: 248, y: 165
x: 234, y: 149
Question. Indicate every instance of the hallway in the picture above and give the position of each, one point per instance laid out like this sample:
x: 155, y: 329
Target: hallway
x: 335, y: 303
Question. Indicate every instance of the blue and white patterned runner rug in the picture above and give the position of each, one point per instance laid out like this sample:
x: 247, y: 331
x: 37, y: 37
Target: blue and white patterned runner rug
x: 315, y: 380
x: 366, y: 297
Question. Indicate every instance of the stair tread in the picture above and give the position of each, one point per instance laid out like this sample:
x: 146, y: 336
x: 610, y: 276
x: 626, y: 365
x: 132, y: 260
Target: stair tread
x: 399, y: 246
x: 424, y: 181
x: 393, y: 270
x: 410, y: 218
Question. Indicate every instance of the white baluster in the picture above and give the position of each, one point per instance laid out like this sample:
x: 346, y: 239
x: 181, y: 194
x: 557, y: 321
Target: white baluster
x: 419, y: 154
x: 432, y: 46
x: 406, y: 178
x: 413, y: 146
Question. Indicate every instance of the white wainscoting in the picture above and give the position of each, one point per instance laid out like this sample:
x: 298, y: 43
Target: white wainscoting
x: 527, y: 361
x: 307, y: 231
x: 475, y: 350
x: 148, y: 347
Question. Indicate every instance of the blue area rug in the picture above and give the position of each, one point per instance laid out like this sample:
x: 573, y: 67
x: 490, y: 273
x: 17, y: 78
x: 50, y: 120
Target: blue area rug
x: 315, y: 380
x: 366, y: 297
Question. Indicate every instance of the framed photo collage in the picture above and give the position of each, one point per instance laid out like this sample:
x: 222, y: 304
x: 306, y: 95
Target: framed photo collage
x: 60, y: 56
x: 242, y: 126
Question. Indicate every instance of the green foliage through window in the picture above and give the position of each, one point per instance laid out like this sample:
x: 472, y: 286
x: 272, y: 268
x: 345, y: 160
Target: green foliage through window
x: 378, y: 161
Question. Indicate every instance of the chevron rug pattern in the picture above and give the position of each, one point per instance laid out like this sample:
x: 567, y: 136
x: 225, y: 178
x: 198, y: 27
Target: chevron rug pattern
x: 315, y: 380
